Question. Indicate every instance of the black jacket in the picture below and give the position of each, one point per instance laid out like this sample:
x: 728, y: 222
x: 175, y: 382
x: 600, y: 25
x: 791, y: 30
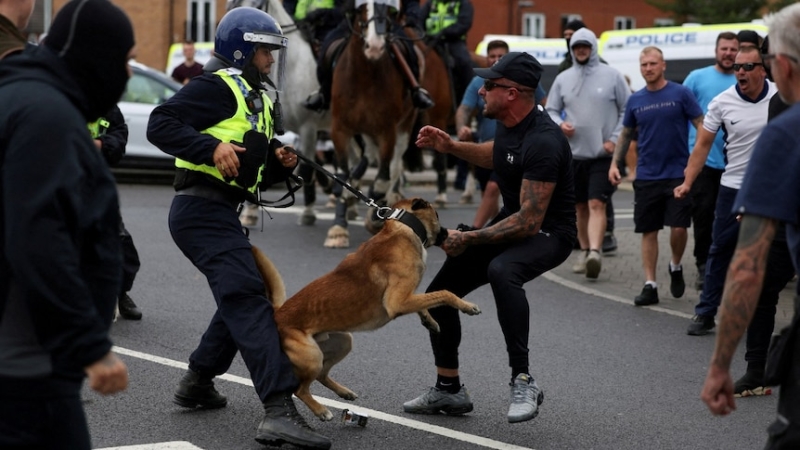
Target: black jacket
x: 59, y: 225
x: 116, y: 137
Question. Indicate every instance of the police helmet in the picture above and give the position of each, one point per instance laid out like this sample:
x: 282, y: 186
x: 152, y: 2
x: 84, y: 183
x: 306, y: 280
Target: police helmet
x: 241, y: 30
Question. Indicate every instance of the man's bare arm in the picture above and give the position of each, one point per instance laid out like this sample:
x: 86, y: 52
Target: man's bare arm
x: 742, y: 286
x: 698, y: 122
x: 463, y: 116
x: 623, y: 143
x: 534, y: 198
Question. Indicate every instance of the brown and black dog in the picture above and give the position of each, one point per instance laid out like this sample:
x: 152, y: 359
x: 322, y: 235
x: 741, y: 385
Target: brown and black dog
x: 370, y: 287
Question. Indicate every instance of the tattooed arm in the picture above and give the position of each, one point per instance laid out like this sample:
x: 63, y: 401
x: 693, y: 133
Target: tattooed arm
x: 739, y: 299
x: 698, y: 122
x: 534, y: 199
x: 623, y: 143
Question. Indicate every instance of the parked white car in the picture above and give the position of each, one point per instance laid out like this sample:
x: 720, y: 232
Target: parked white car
x: 146, y: 89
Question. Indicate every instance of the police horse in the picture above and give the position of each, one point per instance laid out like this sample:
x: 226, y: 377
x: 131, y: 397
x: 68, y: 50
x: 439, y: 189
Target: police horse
x: 369, y: 97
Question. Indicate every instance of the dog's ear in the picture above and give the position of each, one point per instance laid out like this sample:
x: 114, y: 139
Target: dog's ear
x: 419, y: 203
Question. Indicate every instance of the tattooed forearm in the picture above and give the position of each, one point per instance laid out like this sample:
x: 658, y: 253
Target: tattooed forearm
x: 742, y: 286
x: 534, y: 199
x: 623, y: 143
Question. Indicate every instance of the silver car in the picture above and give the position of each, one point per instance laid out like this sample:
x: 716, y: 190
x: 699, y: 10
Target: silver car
x: 146, y: 89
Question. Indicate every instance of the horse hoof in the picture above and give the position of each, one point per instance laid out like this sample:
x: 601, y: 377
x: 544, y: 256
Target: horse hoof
x: 466, y: 199
x: 441, y: 200
x: 338, y: 237
x: 331, y: 202
x: 307, y: 219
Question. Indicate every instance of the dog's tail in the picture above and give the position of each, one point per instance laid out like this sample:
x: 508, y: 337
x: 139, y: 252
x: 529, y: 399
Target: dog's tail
x: 275, y: 289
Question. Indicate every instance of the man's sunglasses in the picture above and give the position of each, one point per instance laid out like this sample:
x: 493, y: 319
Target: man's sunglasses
x: 748, y: 67
x: 489, y: 85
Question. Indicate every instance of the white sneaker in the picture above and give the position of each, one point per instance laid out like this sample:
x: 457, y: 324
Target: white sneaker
x: 580, y: 263
x: 594, y: 262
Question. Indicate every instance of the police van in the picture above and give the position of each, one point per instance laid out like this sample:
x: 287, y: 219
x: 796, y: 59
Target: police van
x: 685, y: 48
x: 549, y: 52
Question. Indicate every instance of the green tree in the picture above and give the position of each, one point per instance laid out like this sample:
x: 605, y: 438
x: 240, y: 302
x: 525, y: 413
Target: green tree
x: 713, y: 11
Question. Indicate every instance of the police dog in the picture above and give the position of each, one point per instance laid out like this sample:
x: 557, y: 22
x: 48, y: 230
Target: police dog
x: 370, y: 287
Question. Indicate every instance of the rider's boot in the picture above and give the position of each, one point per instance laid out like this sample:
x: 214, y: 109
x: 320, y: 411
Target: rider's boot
x: 420, y: 98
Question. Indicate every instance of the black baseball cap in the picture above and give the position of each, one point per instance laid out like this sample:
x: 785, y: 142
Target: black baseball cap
x: 749, y: 36
x: 519, y: 67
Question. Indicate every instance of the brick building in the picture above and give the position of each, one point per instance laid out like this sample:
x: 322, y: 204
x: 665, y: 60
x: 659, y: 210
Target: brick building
x: 160, y: 23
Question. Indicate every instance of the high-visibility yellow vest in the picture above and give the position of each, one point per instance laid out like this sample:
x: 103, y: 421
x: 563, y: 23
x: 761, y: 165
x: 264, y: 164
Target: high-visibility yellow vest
x: 234, y: 128
x: 442, y: 15
x: 306, y: 6
x: 98, y: 127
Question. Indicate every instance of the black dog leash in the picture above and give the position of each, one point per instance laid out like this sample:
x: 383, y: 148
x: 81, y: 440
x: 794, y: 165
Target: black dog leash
x: 383, y: 212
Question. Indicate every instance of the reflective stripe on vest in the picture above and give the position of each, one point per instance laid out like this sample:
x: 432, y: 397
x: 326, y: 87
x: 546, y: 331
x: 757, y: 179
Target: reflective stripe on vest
x: 98, y: 127
x: 306, y: 6
x: 445, y: 14
x: 234, y: 128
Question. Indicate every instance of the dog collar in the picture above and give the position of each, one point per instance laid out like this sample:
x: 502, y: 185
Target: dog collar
x: 412, y: 222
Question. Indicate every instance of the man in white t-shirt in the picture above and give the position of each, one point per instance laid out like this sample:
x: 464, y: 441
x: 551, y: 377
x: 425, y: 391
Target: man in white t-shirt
x: 741, y: 113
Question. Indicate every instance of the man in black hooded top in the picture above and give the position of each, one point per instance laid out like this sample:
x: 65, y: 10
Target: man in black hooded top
x: 59, y: 222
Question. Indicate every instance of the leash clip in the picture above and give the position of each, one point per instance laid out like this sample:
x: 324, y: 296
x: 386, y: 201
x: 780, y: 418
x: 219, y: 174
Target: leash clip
x: 387, y: 213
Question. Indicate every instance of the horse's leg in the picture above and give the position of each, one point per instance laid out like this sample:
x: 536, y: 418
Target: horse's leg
x: 338, y: 236
x: 380, y: 187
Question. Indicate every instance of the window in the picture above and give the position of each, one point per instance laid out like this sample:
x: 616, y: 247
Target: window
x: 200, y: 20
x: 533, y: 25
x: 40, y: 20
x: 624, y: 23
x: 144, y: 89
x: 663, y: 22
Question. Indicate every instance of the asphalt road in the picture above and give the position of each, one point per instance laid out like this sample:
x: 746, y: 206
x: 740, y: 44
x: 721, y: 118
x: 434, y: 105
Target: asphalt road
x: 614, y: 377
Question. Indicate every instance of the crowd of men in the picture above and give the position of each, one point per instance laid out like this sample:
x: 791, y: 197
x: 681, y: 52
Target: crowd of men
x: 555, y: 169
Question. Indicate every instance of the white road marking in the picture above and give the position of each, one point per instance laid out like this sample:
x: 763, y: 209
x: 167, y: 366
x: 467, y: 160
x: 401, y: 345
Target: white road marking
x: 177, y: 445
x: 373, y: 414
x: 586, y: 290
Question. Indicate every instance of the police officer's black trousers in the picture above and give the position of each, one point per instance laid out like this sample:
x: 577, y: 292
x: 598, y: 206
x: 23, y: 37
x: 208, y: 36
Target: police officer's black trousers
x: 506, y: 267
x: 210, y: 235
x: 130, y: 259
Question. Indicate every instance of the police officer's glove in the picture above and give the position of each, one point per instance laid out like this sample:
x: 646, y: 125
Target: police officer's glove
x: 255, y: 156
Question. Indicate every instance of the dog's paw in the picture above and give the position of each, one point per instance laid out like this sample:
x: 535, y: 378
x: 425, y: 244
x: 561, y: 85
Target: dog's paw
x: 428, y: 321
x: 349, y: 395
x: 325, y: 415
x: 471, y: 309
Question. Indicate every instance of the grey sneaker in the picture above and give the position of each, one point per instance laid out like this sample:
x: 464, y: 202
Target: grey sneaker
x: 525, y: 399
x: 594, y: 262
x: 436, y: 400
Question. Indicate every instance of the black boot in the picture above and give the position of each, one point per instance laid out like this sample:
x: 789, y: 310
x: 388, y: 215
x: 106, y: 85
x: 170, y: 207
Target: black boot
x: 127, y: 309
x: 421, y: 98
x: 282, y: 424
x: 316, y: 102
x: 195, y: 391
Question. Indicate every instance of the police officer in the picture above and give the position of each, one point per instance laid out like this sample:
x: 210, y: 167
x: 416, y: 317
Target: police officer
x: 110, y: 135
x: 409, y: 11
x: 205, y: 126
x: 448, y: 21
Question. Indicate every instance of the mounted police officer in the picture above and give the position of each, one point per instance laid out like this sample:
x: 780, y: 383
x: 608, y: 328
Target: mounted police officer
x: 219, y: 127
x: 447, y: 23
x: 409, y: 12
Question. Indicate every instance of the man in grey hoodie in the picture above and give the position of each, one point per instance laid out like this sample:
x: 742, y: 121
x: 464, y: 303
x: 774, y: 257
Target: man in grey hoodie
x: 588, y: 102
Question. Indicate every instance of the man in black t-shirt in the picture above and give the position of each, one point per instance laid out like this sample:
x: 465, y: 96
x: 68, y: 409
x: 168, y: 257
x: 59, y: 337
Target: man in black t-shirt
x: 533, y: 233
x: 189, y: 68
